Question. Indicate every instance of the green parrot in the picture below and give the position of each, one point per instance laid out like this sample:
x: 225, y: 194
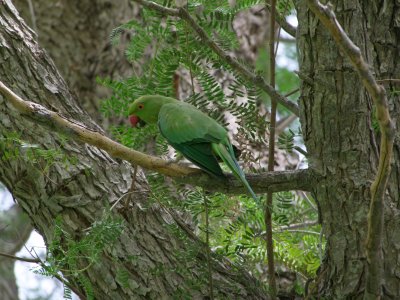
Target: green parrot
x: 197, y: 136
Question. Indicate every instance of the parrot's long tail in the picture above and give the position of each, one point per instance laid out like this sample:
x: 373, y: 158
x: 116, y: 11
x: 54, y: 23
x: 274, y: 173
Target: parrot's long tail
x: 228, y: 156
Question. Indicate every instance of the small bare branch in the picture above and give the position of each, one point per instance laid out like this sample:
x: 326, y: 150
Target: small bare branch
x: 24, y: 259
x: 297, y: 226
x: 378, y: 94
x: 388, y: 80
x: 303, y: 231
x: 281, y: 20
x: 271, y: 156
x: 291, y: 227
x: 284, y: 123
x: 289, y: 28
x: 300, y: 150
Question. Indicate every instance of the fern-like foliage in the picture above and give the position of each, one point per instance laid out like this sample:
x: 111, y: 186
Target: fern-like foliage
x: 13, y: 146
x: 160, y: 48
x: 69, y: 257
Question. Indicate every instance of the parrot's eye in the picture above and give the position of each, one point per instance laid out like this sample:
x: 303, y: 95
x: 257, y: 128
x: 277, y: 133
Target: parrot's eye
x: 140, y: 106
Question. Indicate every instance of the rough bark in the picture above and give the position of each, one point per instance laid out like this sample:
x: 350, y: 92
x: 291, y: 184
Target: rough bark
x: 79, y: 193
x: 76, y: 34
x: 342, y: 144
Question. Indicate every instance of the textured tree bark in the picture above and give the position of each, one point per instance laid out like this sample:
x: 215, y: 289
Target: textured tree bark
x: 80, y: 192
x: 336, y: 117
x: 77, y: 36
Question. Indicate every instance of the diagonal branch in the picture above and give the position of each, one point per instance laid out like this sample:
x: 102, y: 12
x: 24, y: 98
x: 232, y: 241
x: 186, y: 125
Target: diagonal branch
x: 289, y: 28
x: 281, y: 20
x: 247, y: 74
x: 269, y: 181
x: 296, y: 226
x: 376, y: 213
x: 39, y: 261
x: 24, y: 259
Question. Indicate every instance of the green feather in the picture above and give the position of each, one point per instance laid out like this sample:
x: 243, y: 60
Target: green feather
x: 225, y: 151
x: 197, y: 136
x: 181, y: 122
x: 191, y: 132
x: 201, y: 154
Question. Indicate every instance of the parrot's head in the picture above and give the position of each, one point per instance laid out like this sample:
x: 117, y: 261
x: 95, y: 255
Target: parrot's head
x: 145, y: 109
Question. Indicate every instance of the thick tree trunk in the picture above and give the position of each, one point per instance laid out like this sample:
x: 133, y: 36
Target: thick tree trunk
x: 336, y: 117
x: 76, y: 34
x: 149, y: 250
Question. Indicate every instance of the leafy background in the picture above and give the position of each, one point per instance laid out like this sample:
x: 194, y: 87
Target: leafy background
x: 170, y: 60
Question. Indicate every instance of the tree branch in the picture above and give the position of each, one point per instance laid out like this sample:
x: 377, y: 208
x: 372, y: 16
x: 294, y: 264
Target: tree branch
x: 269, y: 181
x: 25, y: 259
x: 77, y: 131
x: 290, y: 227
x: 388, y: 80
x: 289, y: 28
x: 275, y: 181
x: 247, y: 74
x: 39, y: 261
x: 296, y: 226
x: 271, y: 156
x: 378, y: 94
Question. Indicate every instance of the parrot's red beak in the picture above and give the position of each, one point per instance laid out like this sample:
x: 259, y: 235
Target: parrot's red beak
x: 134, y: 120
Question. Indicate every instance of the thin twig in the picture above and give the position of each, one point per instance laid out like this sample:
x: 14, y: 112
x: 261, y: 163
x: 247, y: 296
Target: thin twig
x: 321, y: 235
x: 296, y: 226
x: 189, y: 54
x: 70, y: 286
x: 289, y: 28
x: 375, y: 259
x: 271, y: 157
x: 120, y: 198
x: 208, y: 250
x: 278, y: 18
x: 303, y: 231
x: 290, y: 227
x: 24, y: 259
x: 309, y: 201
x: 301, y: 150
x: 292, y: 92
x: 244, y: 71
x: 283, y: 123
x: 37, y: 260
x: 388, y: 80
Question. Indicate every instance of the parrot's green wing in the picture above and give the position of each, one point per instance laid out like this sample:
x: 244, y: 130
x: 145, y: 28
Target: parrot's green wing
x: 225, y: 151
x: 192, y: 132
x: 199, y: 137
x: 200, y: 154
